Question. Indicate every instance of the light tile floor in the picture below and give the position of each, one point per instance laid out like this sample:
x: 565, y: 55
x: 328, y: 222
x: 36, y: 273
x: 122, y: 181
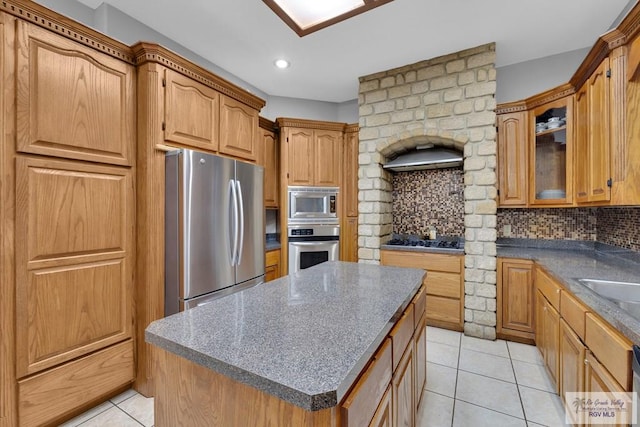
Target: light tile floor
x: 470, y: 382
x: 474, y: 382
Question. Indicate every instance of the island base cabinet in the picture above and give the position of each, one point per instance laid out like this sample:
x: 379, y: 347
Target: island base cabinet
x: 403, y: 392
x: 191, y: 395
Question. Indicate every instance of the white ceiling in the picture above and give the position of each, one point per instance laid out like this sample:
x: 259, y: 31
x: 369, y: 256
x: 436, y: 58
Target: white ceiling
x: 244, y: 37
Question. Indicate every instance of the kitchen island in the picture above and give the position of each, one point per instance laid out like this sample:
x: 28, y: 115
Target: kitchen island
x: 293, y: 351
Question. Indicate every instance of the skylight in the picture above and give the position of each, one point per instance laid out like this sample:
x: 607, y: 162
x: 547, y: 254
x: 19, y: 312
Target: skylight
x: 307, y: 16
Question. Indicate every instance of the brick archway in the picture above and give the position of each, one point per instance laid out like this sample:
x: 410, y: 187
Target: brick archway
x: 448, y: 101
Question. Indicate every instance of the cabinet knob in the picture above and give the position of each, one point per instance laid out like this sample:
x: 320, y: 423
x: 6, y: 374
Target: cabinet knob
x: 544, y: 308
x: 557, y: 291
x: 586, y: 362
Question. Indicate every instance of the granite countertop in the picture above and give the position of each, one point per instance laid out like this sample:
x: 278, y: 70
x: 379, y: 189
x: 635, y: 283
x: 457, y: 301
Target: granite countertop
x: 571, y: 260
x: 303, y: 338
x: 423, y: 249
x: 272, y: 245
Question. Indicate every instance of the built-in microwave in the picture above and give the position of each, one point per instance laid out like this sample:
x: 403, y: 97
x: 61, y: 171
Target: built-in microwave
x: 313, y: 205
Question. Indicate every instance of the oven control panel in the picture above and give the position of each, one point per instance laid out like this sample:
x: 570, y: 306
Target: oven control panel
x: 302, y: 232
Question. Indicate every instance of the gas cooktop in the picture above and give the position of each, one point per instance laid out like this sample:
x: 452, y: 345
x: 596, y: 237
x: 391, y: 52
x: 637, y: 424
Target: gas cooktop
x: 442, y: 242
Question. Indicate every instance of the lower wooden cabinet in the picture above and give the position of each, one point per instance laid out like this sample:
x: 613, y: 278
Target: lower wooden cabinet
x: 547, y: 335
x: 384, y: 415
x: 420, y: 351
x: 54, y: 394
x: 444, y: 284
x: 572, y: 357
x: 515, y: 300
x: 389, y: 390
x: 403, y: 390
x: 272, y: 265
x: 597, y: 378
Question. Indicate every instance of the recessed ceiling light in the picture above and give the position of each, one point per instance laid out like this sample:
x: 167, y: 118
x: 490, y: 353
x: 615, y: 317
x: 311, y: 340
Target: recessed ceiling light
x: 281, y: 63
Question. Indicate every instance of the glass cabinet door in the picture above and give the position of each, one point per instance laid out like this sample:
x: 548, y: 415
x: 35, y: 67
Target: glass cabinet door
x: 551, y: 153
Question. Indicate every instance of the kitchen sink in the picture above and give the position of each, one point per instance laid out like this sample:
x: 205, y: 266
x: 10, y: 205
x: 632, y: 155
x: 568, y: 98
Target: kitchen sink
x: 615, y: 291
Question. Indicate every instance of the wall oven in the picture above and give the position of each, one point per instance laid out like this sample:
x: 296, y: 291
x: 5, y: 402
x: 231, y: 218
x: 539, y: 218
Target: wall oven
x: 312, y: 244
x: 313, y: 205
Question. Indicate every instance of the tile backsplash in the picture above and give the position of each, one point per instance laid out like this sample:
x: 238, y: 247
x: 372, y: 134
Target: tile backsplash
x: 429, y: 198
x: 619, y: 227
x: 571, y: 223
x: 435, y: 197
x: 613, y: 226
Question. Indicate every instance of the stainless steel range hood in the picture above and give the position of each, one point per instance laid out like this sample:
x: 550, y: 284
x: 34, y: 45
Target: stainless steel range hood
x: 426, y: 157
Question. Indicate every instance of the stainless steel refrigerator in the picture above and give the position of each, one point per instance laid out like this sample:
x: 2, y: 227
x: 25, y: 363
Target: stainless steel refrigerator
x: 214, y: 228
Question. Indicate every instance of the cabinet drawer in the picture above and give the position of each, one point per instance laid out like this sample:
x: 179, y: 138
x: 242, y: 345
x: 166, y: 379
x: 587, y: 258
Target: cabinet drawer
x: 272, y: 258
x: 361, y: 403
x: 401, y: 335
x: 548, y: 287
x: 610, y: 348
x: 428, y: 261
x: 419, y: 305
x: 445, y: 309
x: 443, y: 284
x: 573, y: 313
x: 48, y: 396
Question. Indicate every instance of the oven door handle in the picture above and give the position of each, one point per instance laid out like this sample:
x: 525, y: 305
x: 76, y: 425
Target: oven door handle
x: 316, y: 243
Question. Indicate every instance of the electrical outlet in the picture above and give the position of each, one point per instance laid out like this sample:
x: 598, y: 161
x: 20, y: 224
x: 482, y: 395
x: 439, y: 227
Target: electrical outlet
x: 506, y: 230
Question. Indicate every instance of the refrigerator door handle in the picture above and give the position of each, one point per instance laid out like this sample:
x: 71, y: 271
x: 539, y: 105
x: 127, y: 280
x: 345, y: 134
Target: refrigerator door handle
x: 241, y: 228
x: 233, y: 219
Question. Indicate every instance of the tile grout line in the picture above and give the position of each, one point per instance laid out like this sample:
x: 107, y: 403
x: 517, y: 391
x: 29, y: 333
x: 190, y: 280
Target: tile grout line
x: 455, y: 388
x: 524, y: 412
x: 129, y: 415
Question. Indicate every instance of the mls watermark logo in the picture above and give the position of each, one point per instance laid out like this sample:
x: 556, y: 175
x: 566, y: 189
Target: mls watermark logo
x: 600, y: 408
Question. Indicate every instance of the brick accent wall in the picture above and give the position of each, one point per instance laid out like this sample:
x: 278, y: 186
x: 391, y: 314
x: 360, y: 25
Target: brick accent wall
x: 448, y: 101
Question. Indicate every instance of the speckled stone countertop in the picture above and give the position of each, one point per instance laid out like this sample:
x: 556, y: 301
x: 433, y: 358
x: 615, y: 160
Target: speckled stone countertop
x: 422, y: 249
x: 303, y: 338
x: 568, y: 261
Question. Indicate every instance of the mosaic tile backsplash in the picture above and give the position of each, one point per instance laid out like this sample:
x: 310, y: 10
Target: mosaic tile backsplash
x: 571, y: 223
x: 619, y: 227
x: 435, y: 197
x: 429, y: 198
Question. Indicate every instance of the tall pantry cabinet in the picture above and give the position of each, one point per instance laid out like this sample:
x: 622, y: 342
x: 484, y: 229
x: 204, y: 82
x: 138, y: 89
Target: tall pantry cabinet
x: 67, y: 214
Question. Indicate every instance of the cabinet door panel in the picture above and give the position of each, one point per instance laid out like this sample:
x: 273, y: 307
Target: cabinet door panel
x: 238, y: 129
x: 551, y: 326
x: 350, y: 175
x: 327, y: 158
x: 599, y: 152
x: 384, y: 415
x: 582, y: 144
x: 72, y: 101
x: 191, y: 112
x: 349, y: 240
x: 512, y: 158
x: 301, y: 156
x: 516, y: 292
x: 421, y: 359
x: 73, y: 260
x: 572, y: 356
x: 403, y: 403
x: 271, y: 169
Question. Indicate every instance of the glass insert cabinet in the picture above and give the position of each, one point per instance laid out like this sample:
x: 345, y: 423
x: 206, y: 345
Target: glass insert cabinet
x: 551, y: 153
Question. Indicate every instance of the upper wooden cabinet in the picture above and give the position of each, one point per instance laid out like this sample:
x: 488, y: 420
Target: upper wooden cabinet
x: 72, y: 101
x: 592, y: 139
x: 191, y: 112
x: 512, y: 159
x: 550, y: 153
x: 313, y: 152
x: 349, y: 196
x: 196, y: 115
x: 238, y: 129
x: 270, y: 160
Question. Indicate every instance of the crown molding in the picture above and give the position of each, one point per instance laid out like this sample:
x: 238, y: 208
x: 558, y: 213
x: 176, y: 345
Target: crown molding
x: 60, y: 24
x: 310, y: 124
x: 267, y: 124
x: 145, y: 52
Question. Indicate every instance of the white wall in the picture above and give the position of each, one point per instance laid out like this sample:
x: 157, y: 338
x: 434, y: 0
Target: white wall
x: 519, y: 81
x: 514, y: 82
